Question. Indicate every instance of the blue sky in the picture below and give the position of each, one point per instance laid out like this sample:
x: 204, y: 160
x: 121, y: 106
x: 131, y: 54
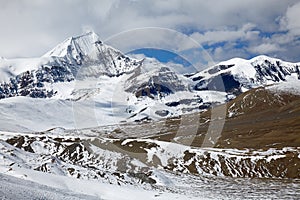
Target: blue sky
x: 224, y: 28
x: 162, y: 56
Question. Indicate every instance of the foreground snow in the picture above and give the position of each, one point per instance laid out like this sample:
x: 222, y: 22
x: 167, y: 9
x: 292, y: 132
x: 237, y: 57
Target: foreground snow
x: 29, y: 184
x: 17, y: 188
x: 33, y: 184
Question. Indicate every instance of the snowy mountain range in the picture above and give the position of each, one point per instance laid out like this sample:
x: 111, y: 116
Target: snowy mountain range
x: 83, y: 75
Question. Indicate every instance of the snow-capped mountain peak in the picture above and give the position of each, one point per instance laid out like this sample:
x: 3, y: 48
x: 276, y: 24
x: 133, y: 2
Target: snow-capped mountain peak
x: 89, y: 54
x: 80, y: 57
x: 75, y: 46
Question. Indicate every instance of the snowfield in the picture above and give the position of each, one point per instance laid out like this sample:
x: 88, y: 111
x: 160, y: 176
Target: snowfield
x: 291, y: 86
x: 38, y: 185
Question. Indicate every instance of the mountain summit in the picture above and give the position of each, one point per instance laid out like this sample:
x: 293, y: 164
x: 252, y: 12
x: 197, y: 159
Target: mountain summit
x: 87, y: 50
x: 75, y: 46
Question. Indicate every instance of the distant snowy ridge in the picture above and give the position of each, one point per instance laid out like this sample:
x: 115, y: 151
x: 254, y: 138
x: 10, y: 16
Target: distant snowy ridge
x: 238, y: 75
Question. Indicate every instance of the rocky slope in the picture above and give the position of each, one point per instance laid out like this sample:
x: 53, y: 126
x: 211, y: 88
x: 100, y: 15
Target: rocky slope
x: 257, y: 119
x: 137, y: 161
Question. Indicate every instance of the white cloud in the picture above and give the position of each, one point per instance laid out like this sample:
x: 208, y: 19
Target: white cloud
x: 291, y: 21
x: 30, y: 28
x: 285, y: 43
x: 265, y: 48
x: 226, y: 52
x: 210, y: 37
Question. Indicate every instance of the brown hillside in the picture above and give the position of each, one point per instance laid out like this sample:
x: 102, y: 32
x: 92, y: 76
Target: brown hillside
x: 256, y: 119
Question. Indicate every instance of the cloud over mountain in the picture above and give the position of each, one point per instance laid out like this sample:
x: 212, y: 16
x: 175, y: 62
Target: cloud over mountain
x: 226, y: 29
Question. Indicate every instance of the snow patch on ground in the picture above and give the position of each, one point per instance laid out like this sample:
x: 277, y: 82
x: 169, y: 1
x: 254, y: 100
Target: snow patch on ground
x: 291, y: 86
